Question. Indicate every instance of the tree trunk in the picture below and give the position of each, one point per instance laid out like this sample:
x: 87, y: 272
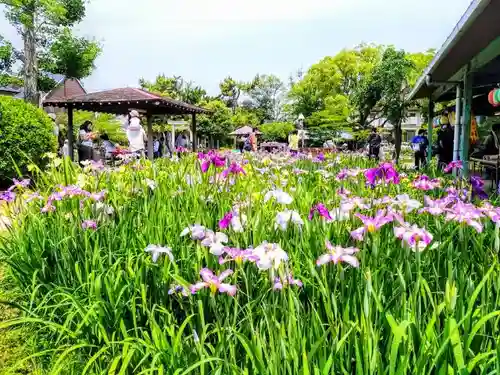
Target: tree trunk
x: 30, y: 66
x: 398, y: 135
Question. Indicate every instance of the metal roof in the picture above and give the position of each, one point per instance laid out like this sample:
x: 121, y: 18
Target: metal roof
x: 478, y: 28
x: 11, y: 89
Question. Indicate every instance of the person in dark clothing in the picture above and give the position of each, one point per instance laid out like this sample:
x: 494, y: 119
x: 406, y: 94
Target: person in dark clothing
x: 419, y: 145
x: 445, y: 145
x: 162, y: 145
x: 374, y: 142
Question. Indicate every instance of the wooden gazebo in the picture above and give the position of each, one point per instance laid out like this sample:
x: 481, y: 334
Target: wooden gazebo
x: 121, y: 101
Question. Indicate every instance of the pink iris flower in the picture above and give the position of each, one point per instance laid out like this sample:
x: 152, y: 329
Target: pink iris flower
x: 321, y: 209
x: 425, y: 183
x: 416, y: 238
x: 235, y: 169
x: 491, y: 211
x: 454, y: 164
x: 435, y: 207
x: 466, y: 213
x: 371, y: 224
x: 237, y: 255
x: 338, y: 254
x: 288, y: 280
x: 89, y: 224
x: 211, y: 158
x: 349, y: 204
x: 214, y: 283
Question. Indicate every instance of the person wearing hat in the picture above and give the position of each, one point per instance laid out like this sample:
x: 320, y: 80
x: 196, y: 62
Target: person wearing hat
x: 136, y: 134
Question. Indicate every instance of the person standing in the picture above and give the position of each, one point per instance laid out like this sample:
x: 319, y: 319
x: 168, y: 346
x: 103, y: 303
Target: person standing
x: 374, y: 142
x: 253, y: 139
x: 419, y: 145
x: 161, y: 150
x: 156, y: 148
x: 136, y: 134
x: 445, y: 145
x: 293, y: 141
x: 86, y: 142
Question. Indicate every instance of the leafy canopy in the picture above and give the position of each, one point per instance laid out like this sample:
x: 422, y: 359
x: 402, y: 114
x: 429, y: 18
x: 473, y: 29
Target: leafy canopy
x: 218, y: 123
x: 72, y: 56
x: 176, y: 88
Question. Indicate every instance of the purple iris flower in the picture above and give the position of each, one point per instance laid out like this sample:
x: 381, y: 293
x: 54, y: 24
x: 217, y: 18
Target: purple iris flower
x: 7, y: 196
x: 478, y: 188
x: 20, y: 184
x: 321, y: 210
x: 385, y: 173
x: 342, y: 175
x: 288, y: 280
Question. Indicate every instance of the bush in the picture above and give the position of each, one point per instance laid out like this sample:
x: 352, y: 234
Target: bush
x: 26, y: 134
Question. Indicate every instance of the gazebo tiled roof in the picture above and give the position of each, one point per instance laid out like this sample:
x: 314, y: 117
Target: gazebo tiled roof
x: 122, y: 99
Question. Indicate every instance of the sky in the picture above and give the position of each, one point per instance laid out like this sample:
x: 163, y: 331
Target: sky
x: 206, y: 40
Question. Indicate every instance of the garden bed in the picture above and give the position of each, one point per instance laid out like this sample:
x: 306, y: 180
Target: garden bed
x: 258, y: 264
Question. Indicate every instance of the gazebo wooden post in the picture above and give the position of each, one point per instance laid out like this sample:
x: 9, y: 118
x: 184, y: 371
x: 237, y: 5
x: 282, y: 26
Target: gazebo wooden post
x: 150, y: 136
x: 71, y: 148
x: 430, y: 115
x: 195, y: 138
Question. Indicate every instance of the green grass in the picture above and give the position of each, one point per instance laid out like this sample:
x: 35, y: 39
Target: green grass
x: 95, y: 303
x: 14, y: 341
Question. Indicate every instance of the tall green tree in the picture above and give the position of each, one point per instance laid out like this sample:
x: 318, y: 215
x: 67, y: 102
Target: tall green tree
x: 217, y: 124
x: 343, y: 74
x: 71, y: 56
x: 37, y: 21
x: 231, y: 91
x: 390, y: 84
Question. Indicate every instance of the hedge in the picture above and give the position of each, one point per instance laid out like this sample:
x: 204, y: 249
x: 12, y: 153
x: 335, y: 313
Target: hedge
x: 26, y: 134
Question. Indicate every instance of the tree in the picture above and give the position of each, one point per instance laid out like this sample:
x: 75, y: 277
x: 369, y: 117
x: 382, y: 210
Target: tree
x: 343, y: 74
x: 276, y: 131
x: 218, y: 123
x: 7, y: 60
x: 390, y: 85
x: 37, y: 21
x: 231, y: 91
x: 267, y: 94
x: 176, y: 88
x: 334, y: 116
x: 71, y: 56
x: 245, y: 116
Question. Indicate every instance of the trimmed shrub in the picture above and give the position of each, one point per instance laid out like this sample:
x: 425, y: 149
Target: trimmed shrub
x: 26, y: 134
